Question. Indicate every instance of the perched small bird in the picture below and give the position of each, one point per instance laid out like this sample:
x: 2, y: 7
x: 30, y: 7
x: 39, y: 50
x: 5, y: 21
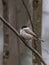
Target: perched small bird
x: 28, y: 34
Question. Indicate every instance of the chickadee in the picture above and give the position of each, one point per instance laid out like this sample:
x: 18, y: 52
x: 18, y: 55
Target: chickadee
x: 28, y: 34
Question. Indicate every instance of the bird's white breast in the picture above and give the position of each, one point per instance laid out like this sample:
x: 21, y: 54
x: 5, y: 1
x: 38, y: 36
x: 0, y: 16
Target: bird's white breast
x: 26, y: 35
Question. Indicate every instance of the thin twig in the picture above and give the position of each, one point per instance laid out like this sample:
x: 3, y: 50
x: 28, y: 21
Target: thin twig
x: 15, y: 31
x: 28, y: 13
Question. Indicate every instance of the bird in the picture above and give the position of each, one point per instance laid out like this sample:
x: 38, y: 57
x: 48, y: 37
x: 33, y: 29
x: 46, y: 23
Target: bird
x: 28, y: 34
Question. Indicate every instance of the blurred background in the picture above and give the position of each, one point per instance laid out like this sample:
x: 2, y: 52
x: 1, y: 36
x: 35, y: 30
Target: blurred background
x: 25, y: 55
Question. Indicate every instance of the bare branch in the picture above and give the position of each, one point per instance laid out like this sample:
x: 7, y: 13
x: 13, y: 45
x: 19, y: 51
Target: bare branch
x: 28, y: 13
x: 15, y: 31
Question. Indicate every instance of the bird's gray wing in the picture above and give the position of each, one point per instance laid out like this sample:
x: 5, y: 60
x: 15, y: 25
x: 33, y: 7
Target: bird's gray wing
x: 29, y: 31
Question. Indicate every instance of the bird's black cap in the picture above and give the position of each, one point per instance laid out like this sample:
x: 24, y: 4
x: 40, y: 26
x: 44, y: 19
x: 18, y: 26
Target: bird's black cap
x: 23, y: 27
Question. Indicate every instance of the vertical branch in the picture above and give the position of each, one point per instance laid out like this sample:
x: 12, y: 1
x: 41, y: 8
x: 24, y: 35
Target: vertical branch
x: 37, y: 11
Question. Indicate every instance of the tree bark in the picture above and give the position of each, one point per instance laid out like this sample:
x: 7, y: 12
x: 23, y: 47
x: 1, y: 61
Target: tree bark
x: 6, y: 33
x: 37, y: 11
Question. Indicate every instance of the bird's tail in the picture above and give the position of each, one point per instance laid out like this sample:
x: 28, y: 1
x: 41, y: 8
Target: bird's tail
x: 39, y: 38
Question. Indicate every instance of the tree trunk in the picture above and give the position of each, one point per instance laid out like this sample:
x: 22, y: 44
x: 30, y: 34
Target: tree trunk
x: 37, y: 11
x: 6, y: 33
x: 11, y: 42
x: 14, y: 48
